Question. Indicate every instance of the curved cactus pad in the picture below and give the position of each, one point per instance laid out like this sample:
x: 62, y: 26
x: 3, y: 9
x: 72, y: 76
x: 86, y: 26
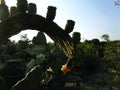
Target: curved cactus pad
x: 22, y: 21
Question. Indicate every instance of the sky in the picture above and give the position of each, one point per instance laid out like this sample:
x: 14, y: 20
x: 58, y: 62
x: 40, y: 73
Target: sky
x: 93, y: 18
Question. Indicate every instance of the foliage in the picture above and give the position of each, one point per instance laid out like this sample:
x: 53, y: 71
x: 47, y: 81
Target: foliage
x: 24, y: 37
x: 105, y: 37
x: 51, y: 45
x: 91, y: 57
x: 88, y: 55
x: 96, y: 73
x: 112, y: 54
x: 96, y: 42
x: 23, y: 43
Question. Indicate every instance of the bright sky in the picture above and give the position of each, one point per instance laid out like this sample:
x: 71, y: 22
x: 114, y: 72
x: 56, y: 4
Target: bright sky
x: 93, y: 17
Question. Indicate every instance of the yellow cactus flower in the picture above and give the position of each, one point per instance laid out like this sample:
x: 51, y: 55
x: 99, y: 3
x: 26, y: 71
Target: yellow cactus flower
x: 65, y: 68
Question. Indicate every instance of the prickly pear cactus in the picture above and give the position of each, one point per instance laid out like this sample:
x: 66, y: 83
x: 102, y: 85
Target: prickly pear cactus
x: 32, y: 8
x: 22, y: 5
x: 4, y: 12
x: 24, y: 17
x: 76, y: 36
x: 40, y: 39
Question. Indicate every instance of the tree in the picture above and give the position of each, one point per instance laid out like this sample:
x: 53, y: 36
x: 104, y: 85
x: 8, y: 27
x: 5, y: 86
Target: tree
x: 117, y: 3
x: 96, y: 41
x: 23, y: 42
x: 24, y: 37
x: 105, y: 37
